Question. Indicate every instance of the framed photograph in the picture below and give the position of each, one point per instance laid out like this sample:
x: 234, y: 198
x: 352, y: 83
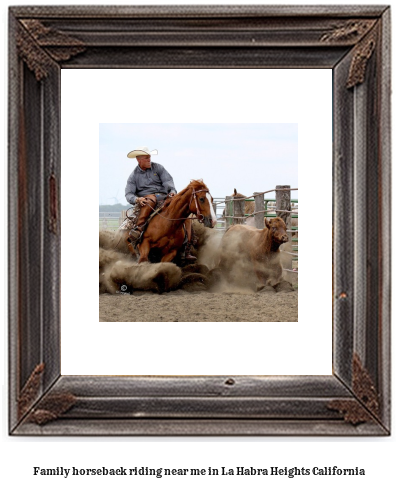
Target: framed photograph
x: 196, y: 159
x: 48, y: 45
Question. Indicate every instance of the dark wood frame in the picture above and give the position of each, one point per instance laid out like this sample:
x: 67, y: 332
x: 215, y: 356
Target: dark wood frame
x: 353, y: 41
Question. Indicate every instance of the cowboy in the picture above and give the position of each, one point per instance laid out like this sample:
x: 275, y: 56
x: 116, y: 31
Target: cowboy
x: 147, y: 185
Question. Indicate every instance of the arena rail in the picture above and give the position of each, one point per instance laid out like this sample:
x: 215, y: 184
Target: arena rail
x: 110, y: 220
x: 231, y: 210
x: 282, y: 206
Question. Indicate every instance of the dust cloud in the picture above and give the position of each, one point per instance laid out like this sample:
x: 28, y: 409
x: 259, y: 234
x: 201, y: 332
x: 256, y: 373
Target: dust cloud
x: 119, y: 271
x: 199, y: 292
x: 221, y: 267
x: 238, y: 270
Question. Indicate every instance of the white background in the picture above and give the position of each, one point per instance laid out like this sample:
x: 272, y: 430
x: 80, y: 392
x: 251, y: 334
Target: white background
x: 276, y: 96
x: 377, y: 455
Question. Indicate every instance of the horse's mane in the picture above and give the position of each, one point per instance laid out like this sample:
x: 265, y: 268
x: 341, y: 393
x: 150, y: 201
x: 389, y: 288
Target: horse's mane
x: 197, y: 183
x: 194, y: 183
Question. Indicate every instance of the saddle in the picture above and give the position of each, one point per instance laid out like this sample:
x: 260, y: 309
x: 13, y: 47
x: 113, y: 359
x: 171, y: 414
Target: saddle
x: 130, y: 221
x: 132, y: 215
x: 135, y: 241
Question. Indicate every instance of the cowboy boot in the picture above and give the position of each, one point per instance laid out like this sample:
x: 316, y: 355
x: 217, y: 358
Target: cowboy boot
x: 137, y: 231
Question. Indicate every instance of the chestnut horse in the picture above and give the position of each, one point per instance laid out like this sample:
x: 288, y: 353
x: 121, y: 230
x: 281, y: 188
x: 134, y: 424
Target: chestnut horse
x: 165, y: 232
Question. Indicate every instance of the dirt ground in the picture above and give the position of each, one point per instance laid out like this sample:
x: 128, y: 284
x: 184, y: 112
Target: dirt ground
x: 201, y: 306
x: 193, y: 293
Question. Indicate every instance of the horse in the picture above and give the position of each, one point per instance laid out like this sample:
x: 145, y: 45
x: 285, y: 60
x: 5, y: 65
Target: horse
x: 248, y: 207
x: 165, y: 233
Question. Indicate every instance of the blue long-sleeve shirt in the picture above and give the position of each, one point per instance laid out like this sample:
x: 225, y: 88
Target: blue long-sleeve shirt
x: 150, y: 181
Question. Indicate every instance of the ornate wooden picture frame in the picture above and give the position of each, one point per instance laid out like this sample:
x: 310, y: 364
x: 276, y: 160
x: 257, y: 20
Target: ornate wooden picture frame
x: 352, y: 41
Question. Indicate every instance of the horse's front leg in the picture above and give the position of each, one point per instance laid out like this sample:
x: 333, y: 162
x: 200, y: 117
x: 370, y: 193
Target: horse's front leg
x: 130, y: 247
x: 188, y: 226
x: 144, y: 250
x: 168, y: 258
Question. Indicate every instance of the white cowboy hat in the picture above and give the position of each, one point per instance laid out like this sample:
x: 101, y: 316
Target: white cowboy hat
x: 141, y: 151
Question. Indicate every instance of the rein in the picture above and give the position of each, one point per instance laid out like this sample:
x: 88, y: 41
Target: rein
x: 198, y: 214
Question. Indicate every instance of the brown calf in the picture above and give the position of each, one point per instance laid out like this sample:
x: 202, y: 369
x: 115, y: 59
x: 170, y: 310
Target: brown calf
x: 246, y: 250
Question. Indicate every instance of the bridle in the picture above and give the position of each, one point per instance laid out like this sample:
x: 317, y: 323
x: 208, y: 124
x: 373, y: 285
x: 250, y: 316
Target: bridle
x: 194, y: 195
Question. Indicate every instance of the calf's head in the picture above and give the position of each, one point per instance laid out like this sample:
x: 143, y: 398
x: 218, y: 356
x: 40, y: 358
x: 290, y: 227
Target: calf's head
x: 278, y: 229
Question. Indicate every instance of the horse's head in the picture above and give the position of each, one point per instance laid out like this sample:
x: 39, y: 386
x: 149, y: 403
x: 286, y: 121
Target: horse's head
x: 201, y: 204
